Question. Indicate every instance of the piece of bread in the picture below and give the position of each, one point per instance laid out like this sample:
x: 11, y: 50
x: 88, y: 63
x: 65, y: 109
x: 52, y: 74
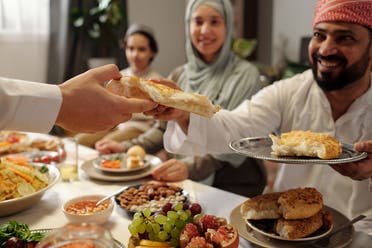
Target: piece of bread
x: 295, y: 229
x: 300, y: 203
x: 306, y: 143
x: 261, y: 207
x: 136, y: 151
x: 130, y: 86
x: 134, y: 162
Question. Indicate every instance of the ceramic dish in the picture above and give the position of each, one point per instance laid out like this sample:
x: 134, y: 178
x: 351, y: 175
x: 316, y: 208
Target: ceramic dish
x: 46, y: 231
x: 46, y: 157
x: 123, y: 164
x: 260, y: 148
x: 154, y: 205
x: 318, y: 234
x: 338, y: 240
x: 16, y: 205
x: 92, y: 172
x: 101, y: 214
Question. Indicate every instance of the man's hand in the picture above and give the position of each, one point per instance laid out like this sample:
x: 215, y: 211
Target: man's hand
x: 165, y: 113
x: 109, y: 146
x: 359, y: 170
x: 88, y: 107
x: 171, y: 170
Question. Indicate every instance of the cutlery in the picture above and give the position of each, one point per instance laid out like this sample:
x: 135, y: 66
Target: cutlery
x: 336, y: 230
x: 111, y: 195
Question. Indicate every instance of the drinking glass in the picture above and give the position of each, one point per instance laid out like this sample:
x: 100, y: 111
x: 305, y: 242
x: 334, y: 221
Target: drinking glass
x: 69, y: 169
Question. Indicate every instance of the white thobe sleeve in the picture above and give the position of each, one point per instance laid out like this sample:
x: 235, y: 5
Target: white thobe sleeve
x: 28, y: 106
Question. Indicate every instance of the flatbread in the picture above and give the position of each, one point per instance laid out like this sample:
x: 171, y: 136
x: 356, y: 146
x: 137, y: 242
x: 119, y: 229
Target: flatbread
x: 134, y: 87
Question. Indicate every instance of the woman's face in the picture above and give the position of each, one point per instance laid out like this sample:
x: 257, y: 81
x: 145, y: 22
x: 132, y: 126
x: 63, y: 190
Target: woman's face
x: 138, y: 52
x: 207, y: 31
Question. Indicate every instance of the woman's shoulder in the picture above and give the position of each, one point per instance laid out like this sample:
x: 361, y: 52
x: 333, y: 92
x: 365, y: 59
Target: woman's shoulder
x: 176, y: 73
x: 242, y: 66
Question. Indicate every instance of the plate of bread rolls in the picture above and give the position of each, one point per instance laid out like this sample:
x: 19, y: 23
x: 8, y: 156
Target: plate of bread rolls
x: 288, y: 219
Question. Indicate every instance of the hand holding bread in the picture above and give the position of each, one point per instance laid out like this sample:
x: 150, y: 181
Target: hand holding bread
x: 162, y: 93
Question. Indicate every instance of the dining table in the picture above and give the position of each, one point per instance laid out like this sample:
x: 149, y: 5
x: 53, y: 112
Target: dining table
x: 48, y: 214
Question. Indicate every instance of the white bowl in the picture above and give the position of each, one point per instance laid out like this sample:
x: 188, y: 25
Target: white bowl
x: 12, y: 206
x: 99, y: 217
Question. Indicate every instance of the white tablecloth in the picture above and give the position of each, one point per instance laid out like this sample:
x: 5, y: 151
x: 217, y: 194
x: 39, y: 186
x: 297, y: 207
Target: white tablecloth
x: 48, y: 214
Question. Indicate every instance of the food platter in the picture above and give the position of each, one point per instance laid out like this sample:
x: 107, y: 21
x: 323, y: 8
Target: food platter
x: 338, y: 240
x: 117, y: 243
x: 123, y: 166
x: 154, y: 205
x: 16, y: 205
x: 12, y: 142
x: 318, y: 234
x: 92, y: 172
x: 260, y: 148
x: 46, y: 157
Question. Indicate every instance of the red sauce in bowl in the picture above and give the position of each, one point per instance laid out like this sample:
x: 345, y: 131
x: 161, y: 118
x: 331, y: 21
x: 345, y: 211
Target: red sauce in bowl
x: 86, y: 207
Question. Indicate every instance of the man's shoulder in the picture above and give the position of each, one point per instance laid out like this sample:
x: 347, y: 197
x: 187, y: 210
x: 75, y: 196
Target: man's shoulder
x: 299, y: 79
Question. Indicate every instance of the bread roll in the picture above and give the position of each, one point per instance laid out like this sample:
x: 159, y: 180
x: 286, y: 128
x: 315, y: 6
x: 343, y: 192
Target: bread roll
x: 137, y: 151
x: 306, y: 143
x: 295, y: 229
x: 261, y: 207
x: 134, y: 162
x: 130, y: 86
x: 300, y: 203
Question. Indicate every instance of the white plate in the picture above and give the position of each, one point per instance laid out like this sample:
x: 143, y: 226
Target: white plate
x: 338, y: 240
x: 123, y: 167
x: 260, y: 148
x: 16, y: 205
x: 315, y: 236
x: 92, y: 172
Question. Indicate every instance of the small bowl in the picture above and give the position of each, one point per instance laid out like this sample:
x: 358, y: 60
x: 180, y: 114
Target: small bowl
x: 98, y: 216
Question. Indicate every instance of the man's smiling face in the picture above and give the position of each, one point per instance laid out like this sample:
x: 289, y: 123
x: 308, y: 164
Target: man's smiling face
x: 340, y: 54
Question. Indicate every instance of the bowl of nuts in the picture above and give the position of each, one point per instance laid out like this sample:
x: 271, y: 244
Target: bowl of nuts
x: 151, y: 195
x: 83, y: 209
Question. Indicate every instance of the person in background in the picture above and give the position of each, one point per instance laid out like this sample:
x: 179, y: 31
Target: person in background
x: 213, y: 70
x: 79, y: 104
x: 140, y: 48
x: 333, y: 97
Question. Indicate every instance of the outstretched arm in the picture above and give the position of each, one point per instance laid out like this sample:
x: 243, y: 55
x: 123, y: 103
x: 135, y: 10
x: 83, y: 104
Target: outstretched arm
x: 88, y: 107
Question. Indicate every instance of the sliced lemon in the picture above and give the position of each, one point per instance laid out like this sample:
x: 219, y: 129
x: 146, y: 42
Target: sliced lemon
x: 25, y: 189
x: 146, y: 242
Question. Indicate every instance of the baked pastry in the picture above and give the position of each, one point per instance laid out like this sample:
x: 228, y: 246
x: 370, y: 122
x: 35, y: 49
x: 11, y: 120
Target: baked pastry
x: 136, y: 151
x: 306, y: 143
x: 300, y: 203
x: 130, y: 86
x: 261, y: 207
x: 295, y: 229
x: 134, y: 162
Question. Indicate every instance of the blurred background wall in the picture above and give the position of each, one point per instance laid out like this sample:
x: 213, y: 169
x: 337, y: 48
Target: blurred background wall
x: 277, y: 25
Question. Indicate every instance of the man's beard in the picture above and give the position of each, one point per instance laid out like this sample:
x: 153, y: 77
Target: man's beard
x: 346, y: 77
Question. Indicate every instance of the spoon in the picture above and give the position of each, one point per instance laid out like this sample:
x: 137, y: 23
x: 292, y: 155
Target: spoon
x: 111, y: 195
x: 337, y: 229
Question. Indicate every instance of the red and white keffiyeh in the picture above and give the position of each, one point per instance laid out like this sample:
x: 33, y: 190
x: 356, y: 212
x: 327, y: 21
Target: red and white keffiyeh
x: 353, y: 11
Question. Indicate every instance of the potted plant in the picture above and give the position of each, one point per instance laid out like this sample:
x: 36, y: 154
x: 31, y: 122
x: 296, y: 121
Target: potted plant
x: 100, y: 22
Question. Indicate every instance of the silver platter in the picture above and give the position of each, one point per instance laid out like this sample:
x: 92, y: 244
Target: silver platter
x: 260, y: 148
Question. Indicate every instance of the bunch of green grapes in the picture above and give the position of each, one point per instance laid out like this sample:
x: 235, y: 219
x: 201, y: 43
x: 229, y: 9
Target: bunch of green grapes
x: 163, y: 226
